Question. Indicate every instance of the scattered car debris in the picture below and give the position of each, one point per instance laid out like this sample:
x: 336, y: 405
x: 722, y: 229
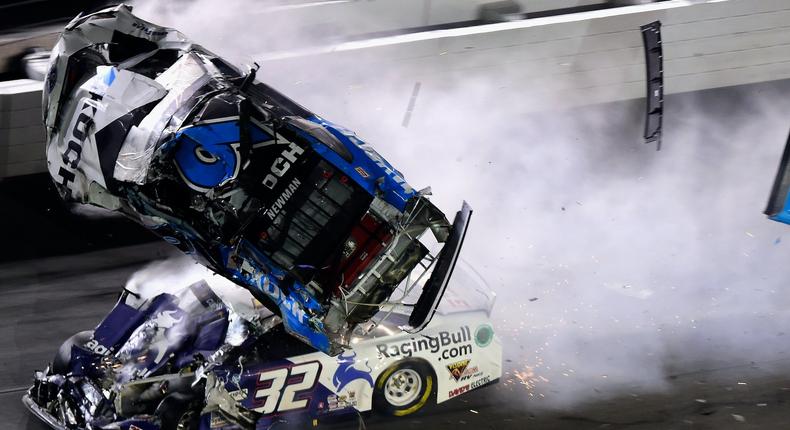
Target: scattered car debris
x: 412, y: 102
x: 654, y: 62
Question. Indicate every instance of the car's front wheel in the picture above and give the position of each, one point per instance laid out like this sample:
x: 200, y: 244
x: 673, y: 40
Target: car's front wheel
x: 404, y: 388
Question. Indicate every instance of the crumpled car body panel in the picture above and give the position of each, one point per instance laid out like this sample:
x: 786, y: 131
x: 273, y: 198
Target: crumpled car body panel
x: 197, y: 348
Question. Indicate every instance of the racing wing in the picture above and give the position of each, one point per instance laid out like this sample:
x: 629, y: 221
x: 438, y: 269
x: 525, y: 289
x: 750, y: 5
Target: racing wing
x: 779, y: 203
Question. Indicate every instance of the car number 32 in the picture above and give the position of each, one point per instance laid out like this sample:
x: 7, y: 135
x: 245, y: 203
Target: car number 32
x: 297, y: 380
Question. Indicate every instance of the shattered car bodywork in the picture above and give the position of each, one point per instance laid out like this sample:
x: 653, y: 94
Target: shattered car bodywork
x: 302, y: 212
x: 205, y: 355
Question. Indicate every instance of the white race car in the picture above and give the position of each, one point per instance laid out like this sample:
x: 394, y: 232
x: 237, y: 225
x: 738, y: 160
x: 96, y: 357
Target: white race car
x: 387, y: 370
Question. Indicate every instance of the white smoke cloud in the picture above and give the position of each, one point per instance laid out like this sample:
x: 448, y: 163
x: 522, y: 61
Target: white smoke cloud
x: 167, y: 276
x: 642, y: 263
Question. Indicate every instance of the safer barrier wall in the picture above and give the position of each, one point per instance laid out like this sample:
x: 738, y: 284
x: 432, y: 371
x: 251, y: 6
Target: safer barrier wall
x: 21, y: 131
x: 570, y: 60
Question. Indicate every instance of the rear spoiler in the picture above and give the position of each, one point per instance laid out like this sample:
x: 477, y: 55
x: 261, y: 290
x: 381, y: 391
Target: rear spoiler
x: 433, y: 291
x: 779, y: 203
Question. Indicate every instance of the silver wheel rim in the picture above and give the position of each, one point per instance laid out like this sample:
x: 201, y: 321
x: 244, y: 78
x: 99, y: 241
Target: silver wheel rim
x: 402, y: 387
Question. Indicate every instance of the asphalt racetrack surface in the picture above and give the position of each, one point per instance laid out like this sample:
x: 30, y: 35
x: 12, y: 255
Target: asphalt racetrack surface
x: 42, y: 302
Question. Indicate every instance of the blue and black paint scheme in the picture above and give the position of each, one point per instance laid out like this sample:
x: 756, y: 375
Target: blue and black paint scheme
x: 368, y: 169
x: 779, y: 203
x: 226, y: 146
x: 297, y: 310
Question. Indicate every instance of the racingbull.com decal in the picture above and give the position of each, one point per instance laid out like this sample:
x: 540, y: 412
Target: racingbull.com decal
x: 445, y: 344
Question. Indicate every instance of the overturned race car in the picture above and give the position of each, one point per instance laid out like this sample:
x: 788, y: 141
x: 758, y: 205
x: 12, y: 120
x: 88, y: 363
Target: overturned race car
x: 298, y: 210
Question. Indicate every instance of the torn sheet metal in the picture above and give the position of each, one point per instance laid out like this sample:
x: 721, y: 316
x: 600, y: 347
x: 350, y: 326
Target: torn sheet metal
x: 300, y: 211
x: 654, y: 62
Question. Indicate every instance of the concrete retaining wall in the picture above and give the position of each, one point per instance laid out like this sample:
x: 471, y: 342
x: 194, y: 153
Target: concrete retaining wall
x: 21, y: 130
x: 352, y: 18
x: 576, y: 59
x: 569, y: 60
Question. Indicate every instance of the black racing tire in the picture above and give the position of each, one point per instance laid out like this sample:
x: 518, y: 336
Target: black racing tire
x: 178, y: 412
x: 61, y: 363
x: 404, y: 388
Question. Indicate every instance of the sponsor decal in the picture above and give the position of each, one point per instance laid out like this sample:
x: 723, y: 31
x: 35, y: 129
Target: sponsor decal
x: 458, y: 391
x: 238, y: 395
x: 362, y: 172
x: 471, y: 372
x: 394, y: 175
x: 217, y: 421
x: 148, y: 30
x: 463, y: 389
x: 82, y: 121
x: 283, y: 199
x: 249, y: 273
x: 207, y: 155
x: 346, y: 372
x: 484, y: 335
x: 445, y: 344
x: 457, y: 369
x: 480, y: 382
x: 284, y: 301
x: 95, y: 347
x: 343, y: 401
x: 282, y: 164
